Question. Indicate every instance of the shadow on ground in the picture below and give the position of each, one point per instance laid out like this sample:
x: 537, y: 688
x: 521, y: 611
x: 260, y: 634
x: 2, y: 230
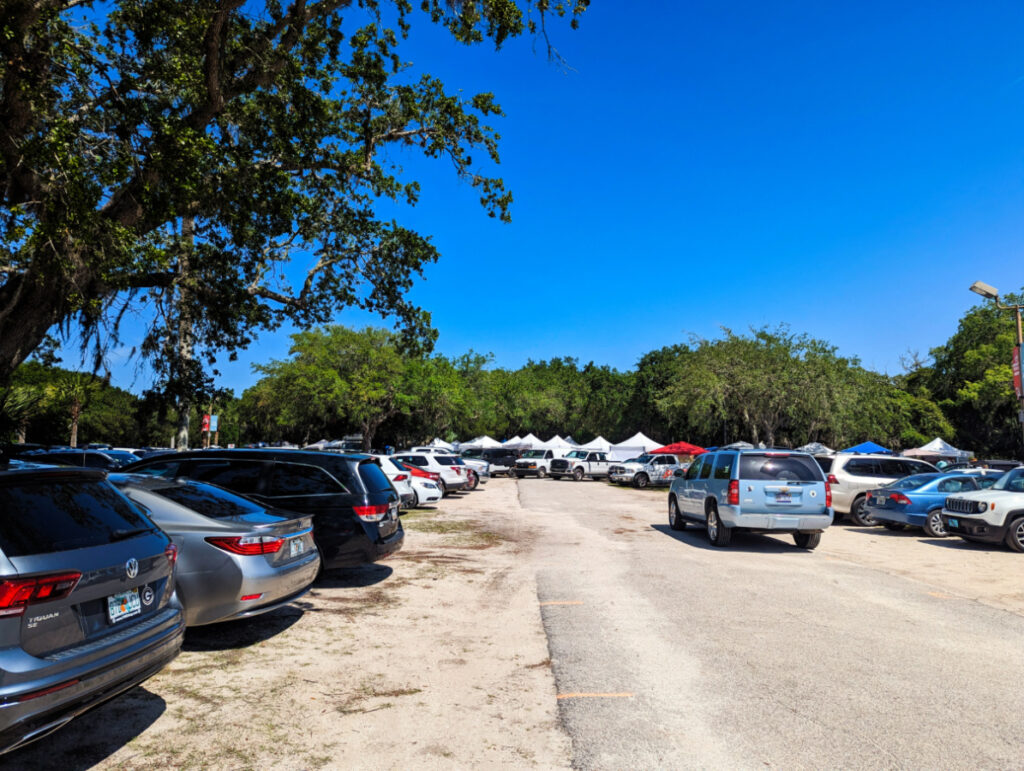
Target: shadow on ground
x: 94, y: 736
x: 363, y: 575
x: 697, y: 538
x: 230, y: 635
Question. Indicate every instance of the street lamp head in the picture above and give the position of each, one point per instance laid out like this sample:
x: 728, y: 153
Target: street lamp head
x: 980, y: 287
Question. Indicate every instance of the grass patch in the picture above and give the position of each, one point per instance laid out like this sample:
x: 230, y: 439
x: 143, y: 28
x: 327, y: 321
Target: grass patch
x: 442, y: 526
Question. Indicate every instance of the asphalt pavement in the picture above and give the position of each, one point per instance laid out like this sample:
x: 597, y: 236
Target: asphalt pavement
x: 670, y: 653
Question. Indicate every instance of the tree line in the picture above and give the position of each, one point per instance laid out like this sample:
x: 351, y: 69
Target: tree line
x: 768, y: 385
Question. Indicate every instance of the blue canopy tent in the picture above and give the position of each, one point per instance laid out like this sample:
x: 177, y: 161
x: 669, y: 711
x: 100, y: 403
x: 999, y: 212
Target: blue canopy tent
x: 868, y: 448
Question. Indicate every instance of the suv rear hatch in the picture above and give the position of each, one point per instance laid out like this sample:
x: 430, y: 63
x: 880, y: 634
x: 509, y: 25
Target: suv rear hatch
x: 82, y: 564
x: 783, y: 483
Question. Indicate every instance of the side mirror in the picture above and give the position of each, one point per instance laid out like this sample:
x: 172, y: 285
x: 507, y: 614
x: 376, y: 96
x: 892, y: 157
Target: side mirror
x: 679, y: 472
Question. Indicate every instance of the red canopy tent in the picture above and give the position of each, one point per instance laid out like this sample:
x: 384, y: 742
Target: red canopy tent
x: 679, y: 448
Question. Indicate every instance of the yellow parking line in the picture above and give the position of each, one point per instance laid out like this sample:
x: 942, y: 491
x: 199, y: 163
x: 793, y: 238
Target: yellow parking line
x: 562, y: 602
x: 594, y: 696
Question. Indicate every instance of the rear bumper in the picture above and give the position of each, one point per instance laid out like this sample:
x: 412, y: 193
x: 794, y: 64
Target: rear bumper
x: 529, y: 472
x: 26, y: 721
x: 916, y: 519
x: 773, y: 523
x: 973, y: 527
x: 407, y: 500
x: 361, y: 550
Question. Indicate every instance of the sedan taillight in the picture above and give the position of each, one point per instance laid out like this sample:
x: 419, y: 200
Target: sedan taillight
x: 248, y: 545
x: 899, y: 498
x: 16, y: 594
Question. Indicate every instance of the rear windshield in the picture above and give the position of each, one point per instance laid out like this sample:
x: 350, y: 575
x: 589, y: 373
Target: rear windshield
x: 208, y: 500
x: 912, y: 482
x: 825, y: 463
x: 60, y: 514
x: 374, y: 478
x: 795, y: 468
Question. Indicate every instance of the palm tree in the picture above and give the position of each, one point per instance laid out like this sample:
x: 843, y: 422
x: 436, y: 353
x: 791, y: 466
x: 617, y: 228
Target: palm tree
x: 20, y: 405
x: 73, y: 390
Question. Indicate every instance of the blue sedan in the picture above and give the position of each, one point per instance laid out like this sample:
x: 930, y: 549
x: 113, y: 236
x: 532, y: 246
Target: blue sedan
x: 917, y: 500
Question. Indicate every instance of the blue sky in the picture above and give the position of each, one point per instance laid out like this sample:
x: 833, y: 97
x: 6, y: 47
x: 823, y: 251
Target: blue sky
x: 848, y: 169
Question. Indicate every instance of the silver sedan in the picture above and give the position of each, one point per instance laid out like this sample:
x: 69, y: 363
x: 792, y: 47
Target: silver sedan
x: 236, y: 558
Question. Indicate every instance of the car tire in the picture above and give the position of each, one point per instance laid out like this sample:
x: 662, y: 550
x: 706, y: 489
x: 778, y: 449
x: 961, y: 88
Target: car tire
x: 718, y: 534
x: 474, y: 481
x: 675, y: 519
x: 577, y: 474
x: 541, y: 472
x: 933, y: 526
x: 857, y: 513
x: 807, y: 540
x: 415, y: 499
x: 641, y: 481
x: 1015, y: 534
x: 444, y: 488
x: 894, y: 525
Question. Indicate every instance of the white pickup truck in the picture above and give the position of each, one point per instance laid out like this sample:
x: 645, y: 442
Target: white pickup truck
x: 535, y: 463
x: 581, y: 463
x: 654, y: 470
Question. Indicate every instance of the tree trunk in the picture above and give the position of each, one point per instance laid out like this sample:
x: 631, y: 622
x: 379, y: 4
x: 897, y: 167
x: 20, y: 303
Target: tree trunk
x: 22, y: 431
x: 186, y: 333
x: 76, y: 411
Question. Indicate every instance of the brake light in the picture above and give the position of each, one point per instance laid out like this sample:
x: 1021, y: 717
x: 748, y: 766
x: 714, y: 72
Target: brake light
x: 171, y: 552
x: 832, y: 479
x: 734, y: 492
x: 899, y: 498
x: 401, y: 477
x: 250, y: 597
x: 373, y: 513
x: 16, y: 594
x: 248, y: 545
x: 828, y: 495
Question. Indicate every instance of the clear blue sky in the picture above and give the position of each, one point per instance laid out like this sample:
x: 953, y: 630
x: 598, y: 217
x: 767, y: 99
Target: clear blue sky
x: 848, y: 169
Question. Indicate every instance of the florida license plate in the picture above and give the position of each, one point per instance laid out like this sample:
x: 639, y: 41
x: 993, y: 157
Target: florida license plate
x: 296, y: 547
x: 783, y: 498
x: 954, y: 523
x: 124, y: 605
x: 879, y: 500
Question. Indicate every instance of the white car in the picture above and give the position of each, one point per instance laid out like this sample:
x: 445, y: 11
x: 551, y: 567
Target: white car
x: 850, y: 476
x: 400, y: 479
x: 995, y: 515
x: 450, y: 479
x: 480, y: 468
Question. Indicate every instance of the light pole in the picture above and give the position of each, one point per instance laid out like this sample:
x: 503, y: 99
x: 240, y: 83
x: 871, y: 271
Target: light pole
x: 991, y: 293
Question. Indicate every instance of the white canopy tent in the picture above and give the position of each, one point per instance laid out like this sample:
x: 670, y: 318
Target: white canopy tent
x: 637, y: 444
x: 484, y: 442
x: 512, y: 442
x: 597, y: 445
x: 558, y: 444
x: 938, y: 448
x: 817, y: 448
x: 442, y: 444
x: 528, y: 442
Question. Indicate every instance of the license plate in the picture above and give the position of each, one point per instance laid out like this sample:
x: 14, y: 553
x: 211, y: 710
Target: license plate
x: 954, y: 523
x: 295, y: 547
x: 783, y: 498
x: 880, y: 501
x: 124, y: 605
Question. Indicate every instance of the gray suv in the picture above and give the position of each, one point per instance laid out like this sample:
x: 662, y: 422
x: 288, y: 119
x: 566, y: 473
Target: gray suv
x: 85, y: 585
x: 759, y: 491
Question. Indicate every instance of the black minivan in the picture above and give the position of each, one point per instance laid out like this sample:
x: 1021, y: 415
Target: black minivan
x: 354, y: 506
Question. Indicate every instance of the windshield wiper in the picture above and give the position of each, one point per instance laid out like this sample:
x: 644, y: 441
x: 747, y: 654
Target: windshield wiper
x: 120, y: 535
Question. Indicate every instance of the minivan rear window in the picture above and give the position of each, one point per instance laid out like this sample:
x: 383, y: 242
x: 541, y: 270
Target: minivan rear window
x: 795, y: 468
x: 51, y: 515
x: 374, y: 478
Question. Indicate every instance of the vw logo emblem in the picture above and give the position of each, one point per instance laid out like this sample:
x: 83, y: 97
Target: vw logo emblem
x: 131, y: 567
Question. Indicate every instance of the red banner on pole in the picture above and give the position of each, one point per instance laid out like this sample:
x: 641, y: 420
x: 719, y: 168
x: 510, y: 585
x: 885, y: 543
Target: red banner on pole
x: 206, y: 422
x: 1016, y: 372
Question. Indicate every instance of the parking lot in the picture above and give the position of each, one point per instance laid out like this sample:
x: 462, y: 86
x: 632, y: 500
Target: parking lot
x: 554, y: 624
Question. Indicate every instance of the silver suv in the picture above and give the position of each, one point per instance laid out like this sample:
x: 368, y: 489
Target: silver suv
x: 85, y: 584
x: 850, y: 476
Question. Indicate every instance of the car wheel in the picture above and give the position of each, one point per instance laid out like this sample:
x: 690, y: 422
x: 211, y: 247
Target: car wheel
x: 933, y: 525
x: 444, y: 488
x: 641, y: 480
x: 415, y: 499
x: 675, y: 519
x: 577, y: 474
x: 1015, y: 534
x: 718, y: 534
x: 807, y: 540
x: 893, y: 525
x: 541, y: 472
x: 858, y: 516
x: 474, y: 480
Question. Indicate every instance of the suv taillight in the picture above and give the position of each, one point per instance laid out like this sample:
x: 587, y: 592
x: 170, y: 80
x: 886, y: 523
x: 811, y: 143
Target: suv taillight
x: 828, y: 494
x: 373, y: 513
x: 734, y: 492
x: 832, y: 479
x: 248, y: 545
x: 171, y: 552
x: 401, y: 477
x: 16, y: 594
